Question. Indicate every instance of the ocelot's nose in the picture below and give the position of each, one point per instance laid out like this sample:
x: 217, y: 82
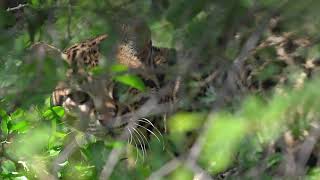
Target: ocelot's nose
x: 105, y: 118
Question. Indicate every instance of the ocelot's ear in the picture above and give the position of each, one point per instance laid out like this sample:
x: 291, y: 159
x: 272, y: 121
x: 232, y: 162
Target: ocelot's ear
x: 100, y: 38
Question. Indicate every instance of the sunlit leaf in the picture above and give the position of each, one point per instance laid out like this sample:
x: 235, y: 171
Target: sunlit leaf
x: 183, y: 122
x: 17, y: 114
x: 314, y: 174
x: 223, y: 137
x: 131, y: 80
x: 54, y: 113
x: 21, y: 178
x: 53, y: 152
x: 253, y: 108
x: 35, y: 3
x: 20, y: 126
x: 60, y: 134
x: 32, y: 142
x: 119, y: 68
x: 114, y: 144
x: 181, y: 173
x: 271, y: 120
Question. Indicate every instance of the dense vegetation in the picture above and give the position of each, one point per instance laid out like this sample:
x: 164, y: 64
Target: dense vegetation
x: 248, y: 105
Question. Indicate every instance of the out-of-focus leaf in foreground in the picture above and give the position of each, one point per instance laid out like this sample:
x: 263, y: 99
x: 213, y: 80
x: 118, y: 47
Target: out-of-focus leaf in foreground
x: 31, y: 144
x: 183, y: 122
x: 224, y: 134
x: 182, y: 173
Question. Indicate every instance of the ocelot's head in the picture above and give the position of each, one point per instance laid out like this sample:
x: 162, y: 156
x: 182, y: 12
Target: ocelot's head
x: 88, y: 103
x: 90, y: 108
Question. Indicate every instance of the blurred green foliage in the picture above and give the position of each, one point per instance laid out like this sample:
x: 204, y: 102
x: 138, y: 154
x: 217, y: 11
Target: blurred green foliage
x: 33, y: 133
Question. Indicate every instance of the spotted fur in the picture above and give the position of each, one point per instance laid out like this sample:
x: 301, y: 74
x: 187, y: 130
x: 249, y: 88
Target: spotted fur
x: 94, y: 99
x: 84, y: 54
x: 80, y: 100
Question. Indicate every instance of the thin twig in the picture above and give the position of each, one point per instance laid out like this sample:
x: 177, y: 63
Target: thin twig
x: 199, y: 173
x: 111, y: 163
x: 20, y: 6
x: 165, y: 169
x: 208, y: 79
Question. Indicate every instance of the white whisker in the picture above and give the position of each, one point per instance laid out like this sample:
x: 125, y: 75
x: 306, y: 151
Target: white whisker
x: 129, y: 141
x: 145, y: 120
x: 135, y: 144
x: 142, y: 145
x: 149, y: 131
x: 145, y: 138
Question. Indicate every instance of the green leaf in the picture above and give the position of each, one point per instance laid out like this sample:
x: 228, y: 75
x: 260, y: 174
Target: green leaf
x: 53, y: 152
x: 35, y: 3
x: 8, y: 167
x: 162, y: 34
x: 6, y: 18
x: 114, y: 144
x: 314, y: 174
x: 4, y: 123
x: 21, y: 42
x: 185, y: 121
x: 60, y: 134
x: 253, y: 108
x: 54, y: 113
x: 33, y: 142
x: 274, y: 159
x: 20, y: 126
x: 119, y: 68
x: 21, y: 178
x: 181, y: 173
x: 3, y: 113
x: 4, y: 127
x: 247, y: 3
x: 222, y: 139
x: 131, y: 80
x: 18, y: 114
x: 269, y: 71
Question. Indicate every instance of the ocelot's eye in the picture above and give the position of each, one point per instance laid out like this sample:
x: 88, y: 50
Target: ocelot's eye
x: 79, y: 97
x: 111, y: 111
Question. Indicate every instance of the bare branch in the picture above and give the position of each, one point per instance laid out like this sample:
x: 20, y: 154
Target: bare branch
x: 111, y: 163
x: 20, y: 6
x: 306, y: 148
x: 199, y: 173
x: 165, y: 169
